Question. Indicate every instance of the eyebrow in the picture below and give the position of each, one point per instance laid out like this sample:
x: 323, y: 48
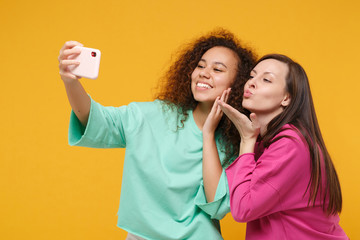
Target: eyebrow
x: 271, y: 73
x: 265, y: 72
x: 215, y: 63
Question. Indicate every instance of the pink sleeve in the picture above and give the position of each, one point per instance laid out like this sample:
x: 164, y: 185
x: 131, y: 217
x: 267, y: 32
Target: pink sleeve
x: 271, y: 184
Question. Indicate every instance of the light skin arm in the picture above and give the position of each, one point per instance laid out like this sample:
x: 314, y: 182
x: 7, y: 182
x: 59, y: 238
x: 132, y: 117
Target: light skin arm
x: 212, y: 168
x: 249, y: 129
x: 79, y: 100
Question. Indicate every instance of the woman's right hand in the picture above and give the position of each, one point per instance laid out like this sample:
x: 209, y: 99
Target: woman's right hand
x: 78, y: 98
x: 66, y: 55
x: 249, y: 129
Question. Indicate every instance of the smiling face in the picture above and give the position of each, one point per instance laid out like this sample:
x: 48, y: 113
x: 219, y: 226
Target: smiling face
x: 215, y: 72
x: 265, y: 92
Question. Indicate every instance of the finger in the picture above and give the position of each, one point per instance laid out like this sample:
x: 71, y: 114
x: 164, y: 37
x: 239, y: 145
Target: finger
x: 68, y: 75
x: 213, y: 108
x: 219, y: 112
x: 234, y: 115
x: 254, y: 120
x: 222, y: 98
x: 227, y: 95
x: 227, y: 109
x: 217, y: 99
x: 66, y: 63
x: 223, y: 95
x: 69, y: 53
x: 224, y: 105
x: 218, y: 109
x: 68, y: 45
x: 71, y: 44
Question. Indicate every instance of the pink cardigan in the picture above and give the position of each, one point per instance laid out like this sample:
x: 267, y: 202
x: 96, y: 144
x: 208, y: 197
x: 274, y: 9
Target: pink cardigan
x: 268, y: 193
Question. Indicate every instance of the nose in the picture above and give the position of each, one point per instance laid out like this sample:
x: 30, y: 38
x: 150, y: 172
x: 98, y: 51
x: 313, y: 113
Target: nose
x: 204, y: 73
x: 251, y: 83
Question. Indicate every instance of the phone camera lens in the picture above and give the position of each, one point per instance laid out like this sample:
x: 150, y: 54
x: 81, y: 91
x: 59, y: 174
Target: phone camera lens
x: 93, y: 54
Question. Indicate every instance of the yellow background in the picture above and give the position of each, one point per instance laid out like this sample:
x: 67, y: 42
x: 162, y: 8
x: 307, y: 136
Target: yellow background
x: 49, y: 190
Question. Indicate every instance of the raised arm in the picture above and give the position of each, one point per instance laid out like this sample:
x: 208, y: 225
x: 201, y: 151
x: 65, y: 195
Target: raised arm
x: 212, y: 168
x: 79, y: 100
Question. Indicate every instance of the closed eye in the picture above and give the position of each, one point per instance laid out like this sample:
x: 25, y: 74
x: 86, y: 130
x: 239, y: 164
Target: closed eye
x: 201, y: 63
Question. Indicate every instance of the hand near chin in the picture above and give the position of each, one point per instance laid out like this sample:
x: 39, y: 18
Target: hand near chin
x: 249, y: 129
x: 214, y: 117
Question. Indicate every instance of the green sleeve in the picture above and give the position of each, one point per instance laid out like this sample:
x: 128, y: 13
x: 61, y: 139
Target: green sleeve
x: 218, y: 208
x: 105, y: 127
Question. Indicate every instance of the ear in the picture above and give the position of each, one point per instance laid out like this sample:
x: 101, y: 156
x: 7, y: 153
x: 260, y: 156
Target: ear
x: 286, y: 101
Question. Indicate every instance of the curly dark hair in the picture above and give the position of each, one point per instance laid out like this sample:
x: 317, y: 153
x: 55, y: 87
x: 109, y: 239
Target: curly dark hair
x: 175, y: 87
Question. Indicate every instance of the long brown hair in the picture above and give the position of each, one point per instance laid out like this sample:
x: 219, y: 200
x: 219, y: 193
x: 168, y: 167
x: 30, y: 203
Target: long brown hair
x: 301, y: 114
x: 175, y: 87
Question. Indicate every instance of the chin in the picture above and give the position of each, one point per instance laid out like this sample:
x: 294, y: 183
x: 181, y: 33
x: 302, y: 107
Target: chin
x: 203, y: 99
x: 246, y: 106
x: 249, y: 108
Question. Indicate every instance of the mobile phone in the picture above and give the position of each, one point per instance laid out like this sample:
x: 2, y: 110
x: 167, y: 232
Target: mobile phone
x: 89, y: 59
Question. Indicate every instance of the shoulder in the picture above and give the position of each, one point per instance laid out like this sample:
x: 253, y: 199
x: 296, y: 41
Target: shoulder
x: 157, y: 105
x: 143, y: 108
x: 157, y: 112
x: 290, y: 133
x: 289, y: 140
x: 143, y: 105
x: 287, y: 151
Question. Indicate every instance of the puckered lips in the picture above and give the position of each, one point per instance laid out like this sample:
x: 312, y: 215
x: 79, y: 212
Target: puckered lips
x: 247, y: 93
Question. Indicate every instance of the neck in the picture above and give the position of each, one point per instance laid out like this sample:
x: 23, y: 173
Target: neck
x: 200, y: 114
x: 264, y: 119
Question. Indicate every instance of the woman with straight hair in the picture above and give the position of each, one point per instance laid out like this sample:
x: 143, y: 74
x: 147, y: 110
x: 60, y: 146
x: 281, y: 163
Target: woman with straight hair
x: 283, y: 184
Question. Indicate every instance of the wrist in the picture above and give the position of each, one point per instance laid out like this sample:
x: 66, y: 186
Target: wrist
x: 69, y: 79
x: 69, y: 82
x: 208, y: 134
x: 247, y: 146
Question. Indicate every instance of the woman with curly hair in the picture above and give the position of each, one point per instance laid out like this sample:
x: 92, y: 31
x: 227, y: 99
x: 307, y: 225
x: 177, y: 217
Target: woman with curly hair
x: 162, y: 195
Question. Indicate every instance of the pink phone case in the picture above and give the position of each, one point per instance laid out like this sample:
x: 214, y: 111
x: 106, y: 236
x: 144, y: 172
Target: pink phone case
x: 89, y: 59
